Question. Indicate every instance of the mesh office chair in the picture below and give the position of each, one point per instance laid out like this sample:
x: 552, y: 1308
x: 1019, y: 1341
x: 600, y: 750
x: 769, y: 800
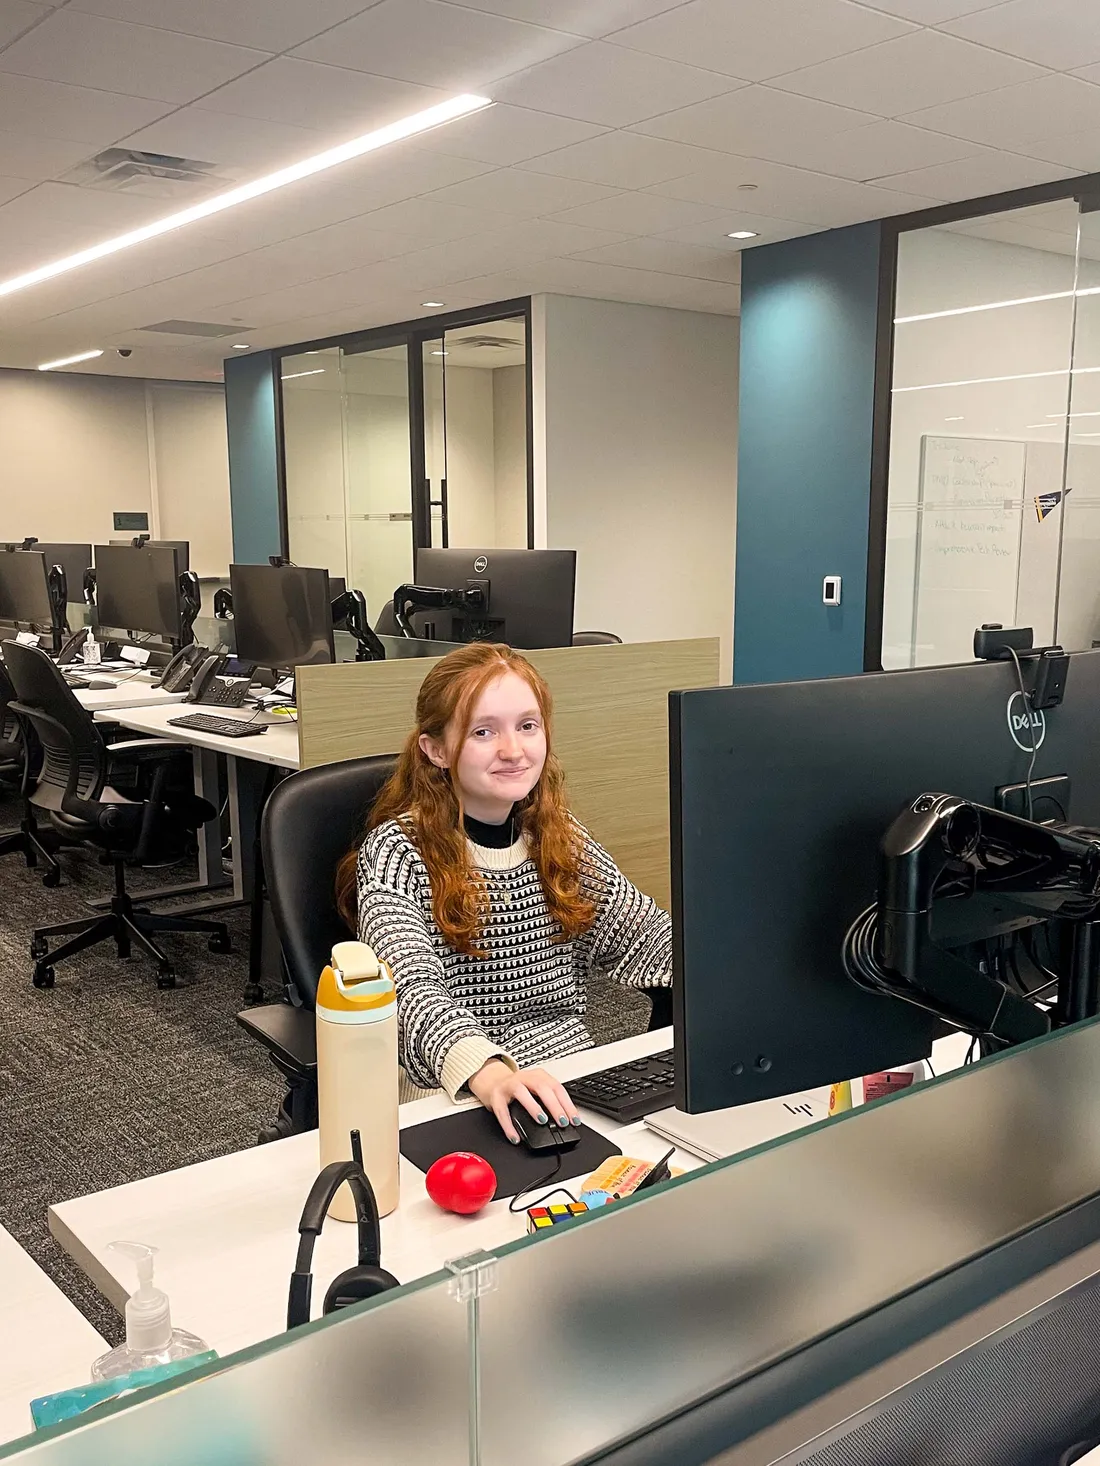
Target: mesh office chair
x: 130, y: 801
x: 309, y: 823
x: 21, y: 758
x: 596, y: 638
x: 386, y: 625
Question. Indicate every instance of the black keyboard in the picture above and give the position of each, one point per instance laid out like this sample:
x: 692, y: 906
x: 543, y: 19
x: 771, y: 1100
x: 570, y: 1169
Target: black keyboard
x: 227, y: 727
x: 628, y: 1091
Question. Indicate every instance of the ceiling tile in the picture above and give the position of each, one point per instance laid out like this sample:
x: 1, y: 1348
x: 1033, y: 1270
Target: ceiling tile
x: 754, y: 122
x: 1077, y: 150
x: 55, y: 219
x: 134, y: 60
x: 669, y: 257
x: 983, y: 173
x: 603, y: 83
x: 753, y: 40
x: 436, y: 44
x: 11, y: 188
x: 17, y: 16
x: 788, y: 193
x: 272, y: 25
x: 714, y: 233
x: 614, y: 282
x: 1061, y: 34
x: 513, y: 191
x: 924, y: 69
x: 328, y: 98
x: 593, y: 18
x: 433, y: 223
x: 47, y: 109
x: 864, y: 153
x: 235, y: 143
x: 1017, y: 115
x: 637, y: 213
x: 504, y: 135
x: 932, y: 12
x: 38, y: 158
x: 624, y: 160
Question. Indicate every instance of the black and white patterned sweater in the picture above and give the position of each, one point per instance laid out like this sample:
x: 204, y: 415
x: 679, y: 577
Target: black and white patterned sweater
x: 525, y: 1000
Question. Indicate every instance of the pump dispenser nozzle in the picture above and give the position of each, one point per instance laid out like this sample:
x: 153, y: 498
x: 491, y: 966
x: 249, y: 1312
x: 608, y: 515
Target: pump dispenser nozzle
x: 148, y: 1316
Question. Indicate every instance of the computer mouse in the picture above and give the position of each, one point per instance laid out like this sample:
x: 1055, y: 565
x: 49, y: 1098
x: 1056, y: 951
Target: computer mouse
x: 541, y: 1139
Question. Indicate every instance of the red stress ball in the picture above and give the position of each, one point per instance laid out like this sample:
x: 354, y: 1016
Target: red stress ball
x: 461, y: 1182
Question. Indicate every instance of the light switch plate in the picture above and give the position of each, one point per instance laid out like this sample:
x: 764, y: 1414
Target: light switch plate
x: 830, y: 590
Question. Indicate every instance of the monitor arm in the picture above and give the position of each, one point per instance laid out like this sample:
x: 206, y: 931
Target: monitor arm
x: 89, y: 586
x: 351, y: 608
x: 943, y: 848
x: 190, y: 605
x: 408, y: 598
x: 59, y: 600
x: 223, y: 603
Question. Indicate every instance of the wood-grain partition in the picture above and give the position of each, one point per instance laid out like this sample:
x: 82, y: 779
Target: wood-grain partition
x: 610, y: 731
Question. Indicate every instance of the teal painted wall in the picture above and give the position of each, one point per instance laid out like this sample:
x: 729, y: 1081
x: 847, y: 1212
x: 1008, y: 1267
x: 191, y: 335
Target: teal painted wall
x: 809, y: 320
x: 253, y: 457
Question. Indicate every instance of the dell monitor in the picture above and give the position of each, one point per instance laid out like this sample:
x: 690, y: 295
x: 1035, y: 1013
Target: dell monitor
x: 25, y: 588
x: 530, y: 595
x: 780, y: 797
x: 282, y: 615
x: 139, y: 590
x: 74, y: 559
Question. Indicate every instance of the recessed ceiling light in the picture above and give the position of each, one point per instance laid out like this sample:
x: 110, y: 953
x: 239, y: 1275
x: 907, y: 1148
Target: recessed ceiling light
x: 432, y: 304
x: 241, y: 346
x: 370, y: 142
x: 953, y: 419
x: 742, y: 234
x: 439, y: 353
x: 747, y: 187
x: 49, y: 366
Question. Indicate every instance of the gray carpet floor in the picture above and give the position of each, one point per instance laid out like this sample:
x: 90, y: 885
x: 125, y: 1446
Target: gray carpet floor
x: 106, y: 1079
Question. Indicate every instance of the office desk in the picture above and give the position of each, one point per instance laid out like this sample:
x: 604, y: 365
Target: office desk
x: 139, y: 693
x: 45, y: 1343
x: 278, y: 746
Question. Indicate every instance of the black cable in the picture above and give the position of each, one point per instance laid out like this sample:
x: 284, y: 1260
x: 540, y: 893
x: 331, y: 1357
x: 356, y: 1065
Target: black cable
x: 1031, y: 730
x: 534, y: 1186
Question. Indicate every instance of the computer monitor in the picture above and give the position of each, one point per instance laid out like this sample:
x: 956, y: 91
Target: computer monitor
x: 74, y: 559
x: 780, y: 797
x: 25, y: 588
x: 531, y: 594
x: 181, y: 547
x: 138, y: 590
x: 282, y: 615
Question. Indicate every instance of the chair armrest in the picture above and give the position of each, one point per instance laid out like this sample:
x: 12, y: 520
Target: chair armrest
x: 134, y: 749
x: 289, y: 1033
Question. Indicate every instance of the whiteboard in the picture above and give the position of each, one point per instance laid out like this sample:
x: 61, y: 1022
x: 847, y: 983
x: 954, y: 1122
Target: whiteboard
x: 969, y: 524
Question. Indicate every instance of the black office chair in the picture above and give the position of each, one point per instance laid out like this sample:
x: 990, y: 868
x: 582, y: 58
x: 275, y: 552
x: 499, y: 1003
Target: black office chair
x: 309, y: 823
x: 386, y: 625
x: 596, y: 638
x: 20, y: 760
x: 130, y: 801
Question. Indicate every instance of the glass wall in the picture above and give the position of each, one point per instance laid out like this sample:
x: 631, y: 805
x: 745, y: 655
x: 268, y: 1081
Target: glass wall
x: 416, y: 440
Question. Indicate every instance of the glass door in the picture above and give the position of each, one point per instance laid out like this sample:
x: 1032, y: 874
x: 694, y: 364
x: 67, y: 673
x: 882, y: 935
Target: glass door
x: 1076, y: 510
x: 377, y: 473
x: 433, y: 365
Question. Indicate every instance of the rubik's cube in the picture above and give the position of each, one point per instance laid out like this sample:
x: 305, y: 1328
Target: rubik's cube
x: 542, y: 1218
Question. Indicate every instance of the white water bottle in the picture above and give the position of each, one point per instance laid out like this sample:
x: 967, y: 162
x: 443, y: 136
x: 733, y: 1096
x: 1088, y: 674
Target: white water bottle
x: 357, y: 1071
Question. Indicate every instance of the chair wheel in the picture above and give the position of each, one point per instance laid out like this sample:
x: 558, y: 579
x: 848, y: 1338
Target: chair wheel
x: 253, y: 993
x: 39, y: 948
x: 268, y: 1134
x: 52, y: 876
x: 220, y: 942
x: 166, y: 977
x: 43, y: 975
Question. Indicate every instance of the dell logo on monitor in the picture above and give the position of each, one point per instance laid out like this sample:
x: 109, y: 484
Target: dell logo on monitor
x: 481, y: 564
x: 1024, y: 724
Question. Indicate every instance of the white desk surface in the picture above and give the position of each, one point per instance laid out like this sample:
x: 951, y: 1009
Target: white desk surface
x: 45, y: 1343
x: 137, y: 692
x: 227, y: 1228
x: 279, y: 745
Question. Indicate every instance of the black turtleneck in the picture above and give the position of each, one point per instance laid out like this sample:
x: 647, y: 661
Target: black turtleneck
x: 492, y: 837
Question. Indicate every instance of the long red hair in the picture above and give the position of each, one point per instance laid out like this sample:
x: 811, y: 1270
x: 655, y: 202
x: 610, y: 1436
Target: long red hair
x: 427, y: 802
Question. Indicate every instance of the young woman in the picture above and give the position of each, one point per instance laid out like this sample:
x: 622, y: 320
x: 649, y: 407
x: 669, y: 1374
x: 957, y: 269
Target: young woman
x: 490, y: 903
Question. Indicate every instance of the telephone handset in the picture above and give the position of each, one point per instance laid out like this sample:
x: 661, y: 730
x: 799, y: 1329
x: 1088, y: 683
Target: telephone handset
x: 208, y: 669
x: 212, y: 687
x: 180, y: 671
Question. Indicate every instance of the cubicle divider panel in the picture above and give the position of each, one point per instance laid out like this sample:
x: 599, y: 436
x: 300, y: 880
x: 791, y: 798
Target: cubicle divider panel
x: 610, y: 731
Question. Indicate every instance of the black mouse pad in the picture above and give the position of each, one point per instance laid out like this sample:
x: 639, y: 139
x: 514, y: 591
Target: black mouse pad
x: 516, y: 1168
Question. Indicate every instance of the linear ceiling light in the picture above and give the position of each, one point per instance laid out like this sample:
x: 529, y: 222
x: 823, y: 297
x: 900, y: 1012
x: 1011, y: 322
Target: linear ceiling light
x: 49, y: 366
x: 370, y: 142
x: 994, y: 305
x: 978, y: 381
x: 316, y: 372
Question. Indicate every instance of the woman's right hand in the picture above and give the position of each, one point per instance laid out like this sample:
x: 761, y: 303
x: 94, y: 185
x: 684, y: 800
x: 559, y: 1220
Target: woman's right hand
x: 496, y: 1085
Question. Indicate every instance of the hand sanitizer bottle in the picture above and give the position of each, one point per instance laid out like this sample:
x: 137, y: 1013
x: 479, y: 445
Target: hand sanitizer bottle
x: 150, y: 1338
x: 91, y: 650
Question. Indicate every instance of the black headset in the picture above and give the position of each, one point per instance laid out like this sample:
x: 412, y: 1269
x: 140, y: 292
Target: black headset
x: 368, y: 1277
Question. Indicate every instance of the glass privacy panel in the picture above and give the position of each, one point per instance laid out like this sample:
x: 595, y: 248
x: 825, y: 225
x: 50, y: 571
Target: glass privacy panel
x: 1077, y: 517
x: 313, y: 437
x: 644, y: 1309
x: 387, y: 1385
x: 983, y: 327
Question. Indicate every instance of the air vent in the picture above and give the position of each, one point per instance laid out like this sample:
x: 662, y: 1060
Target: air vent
x: 129, y: 170
x: 195, y: 328
x: 486, y: 343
